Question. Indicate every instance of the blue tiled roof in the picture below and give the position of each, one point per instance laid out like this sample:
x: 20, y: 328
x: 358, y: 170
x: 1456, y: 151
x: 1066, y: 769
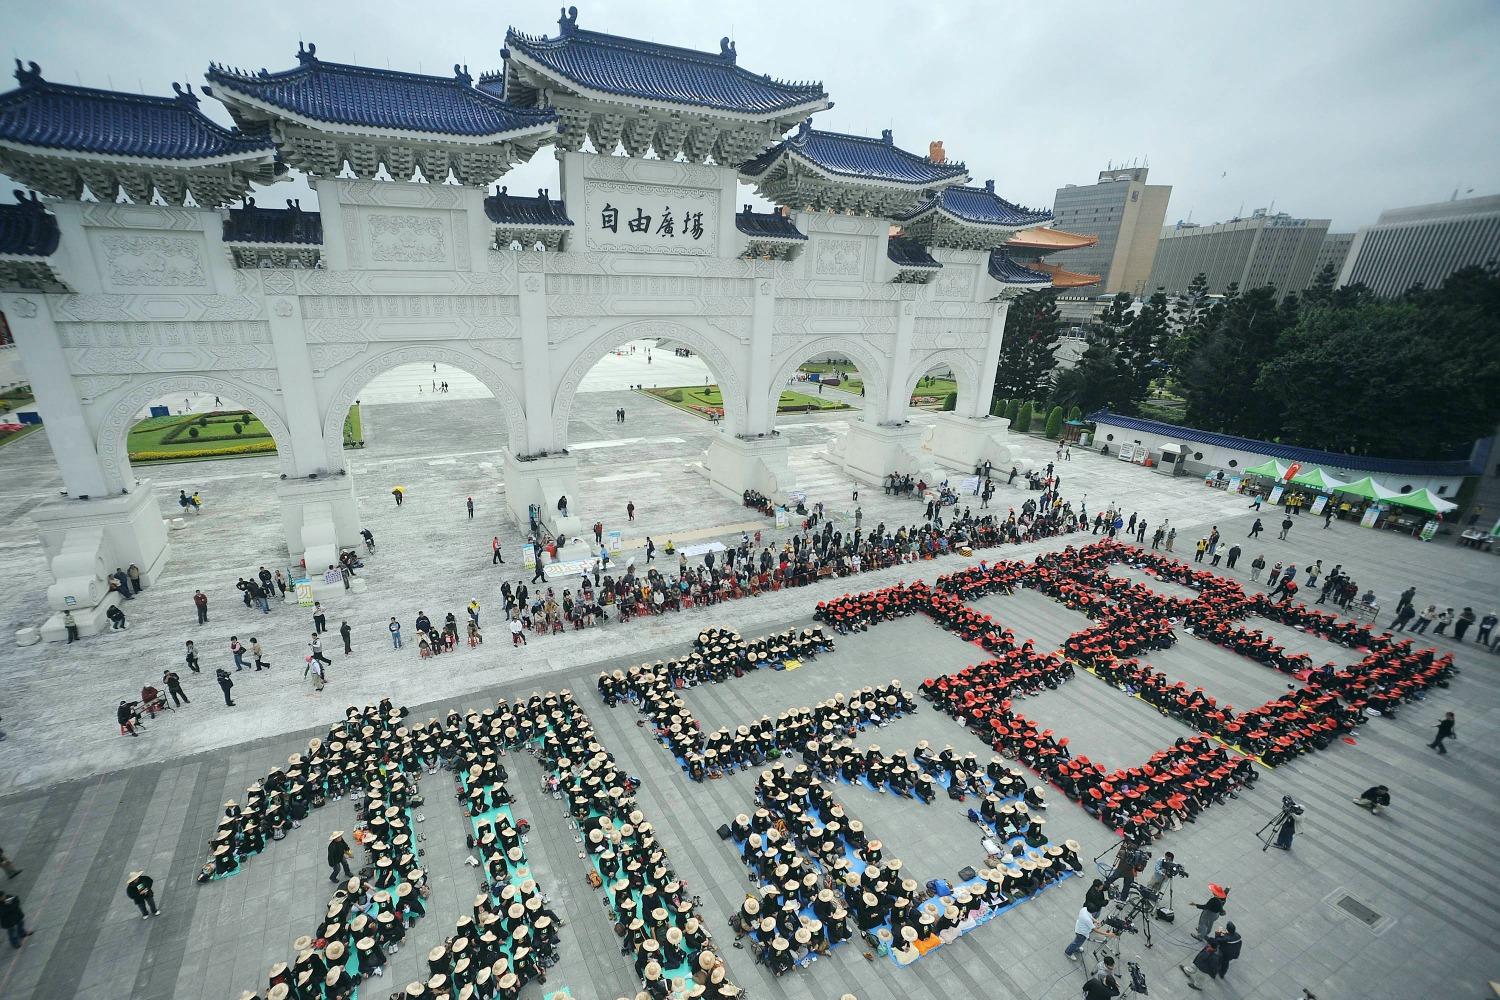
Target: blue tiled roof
x: 137, y: 126
x: 514, y: 210
x: 981, y: 205
x: 910, y: 253
x: 252, y: 224
x: 27, y: 228
x: 858, y: 156
x: 648, y: 71
x: 767, y: 225
x: 1008, y: 272
x: 363, y: 97
x: 1335, y: 461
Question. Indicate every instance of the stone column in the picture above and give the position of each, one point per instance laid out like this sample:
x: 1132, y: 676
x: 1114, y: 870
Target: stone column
x: 760, y: 407
x: 536, y: 361
x: 979, y: 405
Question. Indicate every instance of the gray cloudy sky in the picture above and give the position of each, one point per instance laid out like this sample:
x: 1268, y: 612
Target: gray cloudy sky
x: 1330, y: 108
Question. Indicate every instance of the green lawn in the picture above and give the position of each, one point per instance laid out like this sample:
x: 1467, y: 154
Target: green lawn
x: 15, y: 399
x: 829, y: 366
x: 938, y: 387
x: 191, y: 436
x: 705, y: 400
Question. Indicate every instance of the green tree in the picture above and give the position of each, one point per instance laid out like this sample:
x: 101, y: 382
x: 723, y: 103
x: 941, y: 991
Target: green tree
x: 1012, y: 408
x: 1137, y: 337
x: 1320, y: 292
x: 1027, y: 356
x: 1055, y: 423
x: 1219, y: 380
x: 950, y: 401
x: 1097, y: 381
x: 1023, y: 419
x: 1075, y: 413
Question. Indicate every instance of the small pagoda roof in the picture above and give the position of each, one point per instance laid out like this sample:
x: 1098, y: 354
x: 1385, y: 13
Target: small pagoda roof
x: 1062, y: 278
x: 290, y: 225
x: 40, y: 115
x: 1045, y: 240
x: 906, y: 253
x: 969, y: 218
x: 1006, y: 271
x: 834, y: 171
x: 767, y: 225
x: 316, y: 92
x: 597, y: 65
x: 511, y: 210
x: 27, y: 229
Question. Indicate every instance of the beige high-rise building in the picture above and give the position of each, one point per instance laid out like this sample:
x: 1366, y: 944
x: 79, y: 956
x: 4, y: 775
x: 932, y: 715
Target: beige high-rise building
x: 1127, y: 214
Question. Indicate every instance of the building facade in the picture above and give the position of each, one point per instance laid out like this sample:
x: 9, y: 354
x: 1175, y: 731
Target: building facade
x: 1264, y: 249
x: 1423, y: 244
x: 189, y: 286
x: 1333, y: 253
x: 1126, y: 215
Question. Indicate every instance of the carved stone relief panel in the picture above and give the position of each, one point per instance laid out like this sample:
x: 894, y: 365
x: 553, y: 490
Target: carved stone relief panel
x: 130, y: 260
x: 840, y: 258
x: 409, y: 240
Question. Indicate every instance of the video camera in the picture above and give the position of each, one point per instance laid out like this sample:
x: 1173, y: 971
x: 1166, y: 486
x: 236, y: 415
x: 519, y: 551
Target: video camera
x: 1137, y: 978
x: 1172, y: 869
x: 1290, y: 806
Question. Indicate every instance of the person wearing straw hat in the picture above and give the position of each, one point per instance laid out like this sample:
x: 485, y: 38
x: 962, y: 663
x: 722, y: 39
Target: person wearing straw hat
x: 138, y: 890
x: 338, y: 856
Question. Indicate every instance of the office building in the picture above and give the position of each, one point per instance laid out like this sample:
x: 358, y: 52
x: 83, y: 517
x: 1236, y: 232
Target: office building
x: 1333, y: 253
x: 1126, y: 213
x: 1423, y: 244
x: 1264, y: 249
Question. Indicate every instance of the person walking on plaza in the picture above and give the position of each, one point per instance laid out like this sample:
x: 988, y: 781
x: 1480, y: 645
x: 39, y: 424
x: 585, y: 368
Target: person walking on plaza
x: 469, y: 503
x: 1444, y: 732
x: 317, y: 651
x: 174, y: 688
x: 1211, y: 910
x: 1404, y: 614
x: 1327, y: 516
x: 238, y: 652
x: 1407, y: 596
x: 1286, y: 525
x: 1211, y: 959
x: 13, y: 919
x: 338, y: 856
x: 395, y: 628
x: 650, y: 549
x: 630, y: 510
x: 1256, y: 528
x: 399, y: 494
x: 191, y: 659
x: 258, y: 655
x: 1082, y: 928
x: 1275, y: 576
x: 1199, y: 549
x: 8, y: 866
x: 200, y: 601
x: 1233, y: 557
x: 320, y: 620
x: 226, y: 684
x: 1256, y: 501
x: 138, y: 890
x: 495, y: 557
x: 345, y: 633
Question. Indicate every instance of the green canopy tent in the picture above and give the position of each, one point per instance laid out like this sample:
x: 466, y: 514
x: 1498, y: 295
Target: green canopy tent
x: 1272, y: 469
x: 1424, y: 501
x: 1317, y: 479
x: 1367, y: 488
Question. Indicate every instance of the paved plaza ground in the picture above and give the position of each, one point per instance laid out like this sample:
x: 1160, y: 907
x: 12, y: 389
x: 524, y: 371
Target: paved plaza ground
x: 80, y: 806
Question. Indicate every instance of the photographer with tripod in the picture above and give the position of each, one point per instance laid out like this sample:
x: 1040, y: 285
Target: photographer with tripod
x: 1130, y: 860
x: 1282, y: 826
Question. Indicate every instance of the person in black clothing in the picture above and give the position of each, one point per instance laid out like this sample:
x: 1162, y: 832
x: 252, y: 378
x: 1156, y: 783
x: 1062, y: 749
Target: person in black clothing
x: 320, y: 620
x: 13, y: 919
x: 116, y: 617
x: 338, y: 856
x: 1101, y: 986
x: 138, y: 889
x: 174, y: 688
x: 126, y: 716
x: 1373, y: 798
x: 225, y: 684
x: 1210, y: 960
x: 1096, y: 898
x: 345, y: 632
x: 1229, y: 948
x: 1444, y: 732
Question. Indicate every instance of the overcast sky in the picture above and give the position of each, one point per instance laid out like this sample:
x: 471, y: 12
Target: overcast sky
x: 1331, y: 109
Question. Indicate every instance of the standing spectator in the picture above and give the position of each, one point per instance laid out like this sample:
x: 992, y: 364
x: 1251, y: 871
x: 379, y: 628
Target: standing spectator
x: 1257, y: 566
x: 1406, y: 598
x: 1486, y: 626
x: 1444, y: 732
x: 630, y: 510
x: 1444, y: 619
x: 191, y: 659
x: 338, y: 856
x: 70, y: 625
x: 13, y: 919
x: 1233, y: 557
x: 320, y: 620
x: 133, y: 574
x: 495, y: 556
x: 1211, y: 910
x: 598, y: 532
x: 138, y: 889
x: 1286, y: 525
x: 395, y: 628
x: 200, y: 601
x: 1404, y: 614
x: 1424, y: 619
x: 174, y: 688
x: 1465, y: 619
x: 345, y: 633
x: 226, y: 684
x: 470, y: 504
x: 126, y: 717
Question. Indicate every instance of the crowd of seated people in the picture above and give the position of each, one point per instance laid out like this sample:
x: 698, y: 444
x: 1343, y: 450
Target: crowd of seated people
x: 759, y: 502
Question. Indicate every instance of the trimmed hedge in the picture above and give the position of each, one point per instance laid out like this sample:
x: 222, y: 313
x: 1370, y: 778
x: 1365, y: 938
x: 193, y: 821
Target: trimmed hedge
x: 1055, y: 423
x: 250, y: 448
x: 1023, y: 419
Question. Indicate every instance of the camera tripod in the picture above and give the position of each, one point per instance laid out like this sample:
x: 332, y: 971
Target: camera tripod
x: 1268, y: 834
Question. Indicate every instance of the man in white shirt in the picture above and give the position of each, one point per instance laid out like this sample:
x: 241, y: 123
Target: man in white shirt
x: 1084, y: 926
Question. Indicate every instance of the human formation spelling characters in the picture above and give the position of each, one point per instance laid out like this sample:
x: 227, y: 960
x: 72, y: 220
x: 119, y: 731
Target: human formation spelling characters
x: 510, y: 936
x: 824, y: 879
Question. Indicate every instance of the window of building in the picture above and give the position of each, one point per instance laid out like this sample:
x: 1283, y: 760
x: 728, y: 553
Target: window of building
x: 1109, y: 437
x: 1442, y: 489
x: 1234, y: 463
x: 1406, y: 488
x: 1197, y: 456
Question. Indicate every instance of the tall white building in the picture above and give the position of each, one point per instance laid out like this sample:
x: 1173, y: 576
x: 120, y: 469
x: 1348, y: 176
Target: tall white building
x: 1423, y: 244
x: 1264, y: 249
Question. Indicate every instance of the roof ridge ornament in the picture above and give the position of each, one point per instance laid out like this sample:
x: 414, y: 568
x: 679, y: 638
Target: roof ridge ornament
x: 28, y: 75
x: 185, y: 95
x: 805, y: 129
x: 307, y: 54
x: 461, y: 74
x: 989, y: 185
x: 568, y: 23
x: 887, y: 138
x: 727, y: 51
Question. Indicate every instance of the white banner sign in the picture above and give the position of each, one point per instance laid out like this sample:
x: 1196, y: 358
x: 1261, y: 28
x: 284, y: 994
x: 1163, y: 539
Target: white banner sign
x: 646, y: 218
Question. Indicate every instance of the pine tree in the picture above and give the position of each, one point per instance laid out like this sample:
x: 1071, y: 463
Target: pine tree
x: 1027, y: 356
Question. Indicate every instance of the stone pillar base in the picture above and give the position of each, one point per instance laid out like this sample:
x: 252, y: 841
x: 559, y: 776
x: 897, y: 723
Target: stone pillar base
x: 319, y: 517
x: 869, y: 453
x: 961, y: 443
x: 734, y: 465
x: 542, y: 481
